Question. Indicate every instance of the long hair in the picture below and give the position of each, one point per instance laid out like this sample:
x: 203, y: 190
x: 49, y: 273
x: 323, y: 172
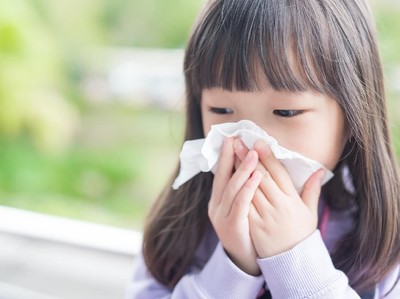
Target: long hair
x: 328, y: 46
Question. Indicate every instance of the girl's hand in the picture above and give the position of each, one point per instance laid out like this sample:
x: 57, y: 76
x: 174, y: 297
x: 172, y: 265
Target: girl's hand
x: 279, y: 218
x: 230, y: 203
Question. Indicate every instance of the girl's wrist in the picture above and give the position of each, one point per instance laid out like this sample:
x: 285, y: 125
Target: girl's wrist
x: 249, y: 267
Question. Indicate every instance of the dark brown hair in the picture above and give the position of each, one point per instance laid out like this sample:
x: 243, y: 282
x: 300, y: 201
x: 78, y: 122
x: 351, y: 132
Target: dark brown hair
x: 324, y: 45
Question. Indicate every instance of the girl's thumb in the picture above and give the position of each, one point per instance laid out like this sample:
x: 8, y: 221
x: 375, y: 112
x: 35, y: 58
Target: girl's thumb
x: 312, y: 190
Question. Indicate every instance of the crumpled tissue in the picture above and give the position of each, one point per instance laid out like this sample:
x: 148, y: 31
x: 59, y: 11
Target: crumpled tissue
x: 201, y: 155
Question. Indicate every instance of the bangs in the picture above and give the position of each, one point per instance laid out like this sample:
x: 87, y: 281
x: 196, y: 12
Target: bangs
x: 244, y: 45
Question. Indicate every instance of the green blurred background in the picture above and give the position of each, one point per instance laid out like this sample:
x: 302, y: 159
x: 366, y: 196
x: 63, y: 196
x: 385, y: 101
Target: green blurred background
x: 73, y: 145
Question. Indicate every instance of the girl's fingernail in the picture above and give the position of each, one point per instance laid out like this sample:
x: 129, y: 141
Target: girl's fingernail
x: 249, y: 156
x: 238, y: 145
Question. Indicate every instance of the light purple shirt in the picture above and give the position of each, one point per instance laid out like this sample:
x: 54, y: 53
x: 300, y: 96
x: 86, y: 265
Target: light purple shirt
x: 305, y: 271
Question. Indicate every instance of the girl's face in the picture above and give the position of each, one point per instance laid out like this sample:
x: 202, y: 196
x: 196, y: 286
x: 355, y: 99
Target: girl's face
x: 309, y: 123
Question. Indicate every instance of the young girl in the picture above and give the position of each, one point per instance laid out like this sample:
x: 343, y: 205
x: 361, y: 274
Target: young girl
x: 309, y: 74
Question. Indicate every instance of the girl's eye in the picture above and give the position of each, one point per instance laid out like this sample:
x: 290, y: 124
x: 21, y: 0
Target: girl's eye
x: 219, y: 110
x: 288, y: 113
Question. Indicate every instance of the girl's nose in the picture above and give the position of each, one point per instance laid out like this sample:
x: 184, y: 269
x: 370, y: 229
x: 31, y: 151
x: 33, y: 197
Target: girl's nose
x: 262, y: 123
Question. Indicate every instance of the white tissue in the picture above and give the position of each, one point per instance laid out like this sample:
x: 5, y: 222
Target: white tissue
x: 203, y: 154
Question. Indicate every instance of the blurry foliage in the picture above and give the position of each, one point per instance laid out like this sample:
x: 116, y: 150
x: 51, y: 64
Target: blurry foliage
x: 60, y: 154
x: 388, y: 27
x: 120, y: 160
x: 30, y: 80
x: 151, y: 23
x: 44, y: 45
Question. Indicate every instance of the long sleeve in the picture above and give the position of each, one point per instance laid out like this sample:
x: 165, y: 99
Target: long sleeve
x: 305, y: 271
x: 219, y: 278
